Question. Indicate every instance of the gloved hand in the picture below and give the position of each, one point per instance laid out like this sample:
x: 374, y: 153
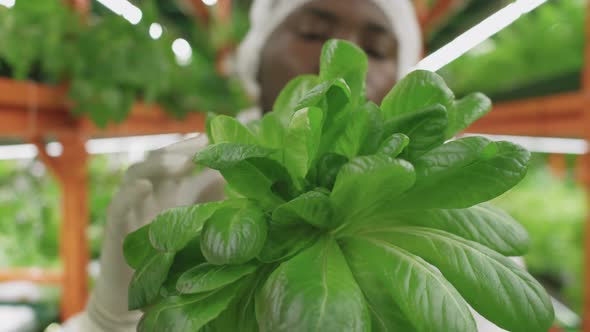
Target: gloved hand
x: 162, y: 181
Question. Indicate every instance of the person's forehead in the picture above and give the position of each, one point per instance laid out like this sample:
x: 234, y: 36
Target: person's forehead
x: 361, y: 13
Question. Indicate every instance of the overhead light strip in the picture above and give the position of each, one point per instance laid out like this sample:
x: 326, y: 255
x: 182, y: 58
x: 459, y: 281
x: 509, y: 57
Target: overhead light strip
x: 134, y: 144
x: 543, y: 144
x: 478, y: 34
x: 125, y: 9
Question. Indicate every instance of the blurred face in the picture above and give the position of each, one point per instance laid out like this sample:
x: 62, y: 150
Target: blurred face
x: 295, y: 46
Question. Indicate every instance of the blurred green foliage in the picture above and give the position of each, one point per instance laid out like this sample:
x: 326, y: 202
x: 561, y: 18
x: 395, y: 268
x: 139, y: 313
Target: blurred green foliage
x: 111, y: 62
x: 553, y: 210
x: 544, y: 46
x: 30, y: 211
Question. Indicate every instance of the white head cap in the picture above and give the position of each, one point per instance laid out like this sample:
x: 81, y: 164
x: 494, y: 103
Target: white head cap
x: 267, y: 15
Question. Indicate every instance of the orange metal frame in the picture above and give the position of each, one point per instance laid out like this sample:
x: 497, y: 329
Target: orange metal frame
x: 33, y: 112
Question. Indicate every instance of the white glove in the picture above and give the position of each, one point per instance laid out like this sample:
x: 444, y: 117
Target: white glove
x: 162, y: 181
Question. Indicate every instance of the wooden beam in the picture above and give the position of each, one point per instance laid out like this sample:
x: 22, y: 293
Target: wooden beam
x: 30, y: 110
x: 37, y: 275
x: 558, y: 116
x: 158, y: 123
x: 31, y: 95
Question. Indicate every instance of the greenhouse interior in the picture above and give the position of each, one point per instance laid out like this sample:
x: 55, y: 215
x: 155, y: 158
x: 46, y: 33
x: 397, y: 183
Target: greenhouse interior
x: 94, y: 233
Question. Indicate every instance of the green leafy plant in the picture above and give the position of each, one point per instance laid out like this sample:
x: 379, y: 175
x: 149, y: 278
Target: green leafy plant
x: 31, y: 31
x: 111, y: 63
x: 523, y: 54
x: 344, y: 216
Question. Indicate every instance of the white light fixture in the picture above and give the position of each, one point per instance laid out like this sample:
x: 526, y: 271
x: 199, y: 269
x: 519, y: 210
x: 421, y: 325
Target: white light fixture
x: 210, y: 2
x: 124, y: 8
x: 478, y: 34
x: 54, y: 149
x: 7, y: 3
x: 130, y: 144
x: 183, y: 51
x: 544, y: 144
x: 134, y: 145
x: 141, y: 144
x: 155, y: 30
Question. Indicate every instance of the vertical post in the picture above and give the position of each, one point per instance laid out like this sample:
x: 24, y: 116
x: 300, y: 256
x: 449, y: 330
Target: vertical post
x: 224, y: 15
x: 586, y: 171
x: 558, y: 165
x: 75, y: 215
x: 81, y: 6
x: 72, y: 171
x: 224, y: 11
x: 200, y: 11
x: 421, y: 10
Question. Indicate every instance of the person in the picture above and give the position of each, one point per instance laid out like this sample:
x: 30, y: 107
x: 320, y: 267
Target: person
x: 284, y: 41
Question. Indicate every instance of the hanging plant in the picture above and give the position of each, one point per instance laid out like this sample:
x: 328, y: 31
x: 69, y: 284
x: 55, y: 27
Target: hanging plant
x: 345, y: 216
x: 38, y: 35
x: 117, y: 63
x: 110, y: 63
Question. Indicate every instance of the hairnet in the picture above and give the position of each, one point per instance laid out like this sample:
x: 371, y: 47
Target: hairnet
x: 267, y: 15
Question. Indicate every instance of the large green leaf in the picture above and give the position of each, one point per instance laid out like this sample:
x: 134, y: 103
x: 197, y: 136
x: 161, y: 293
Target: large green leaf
x: 187, y: 312
x: 272, y: 131
x: 312, y: 207
x: 291, y: 95
x: 346, y: 61
x: 367, y: 183
x: 425, y: 128
x: 282, y: 184
x: 314, y: 291
x: 184, y: 260
x: 418, y: 90
x: 248, y: 169
x: 233, y: 236
x: 241, y: 314
x: 249, y: 179
x: 335, y: 92
x: 394, y: 145
x: 284, y: 242
x: 303, y: 135
x: 466, y: 111
x: 226, y: 155
x: 172, y: 229
x: 363, y: 132
x: 334, y: 98
x: 144, y: 287
x: 403, y: 292
x: 483, y: 223
x: 226, y: 129
x: 465, y: 172
x: 207, y: 277
x: 137, y: 247
x: 493, y: 285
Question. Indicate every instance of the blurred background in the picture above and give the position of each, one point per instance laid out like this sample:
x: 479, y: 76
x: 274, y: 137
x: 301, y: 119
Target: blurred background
x: 87, y: 87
